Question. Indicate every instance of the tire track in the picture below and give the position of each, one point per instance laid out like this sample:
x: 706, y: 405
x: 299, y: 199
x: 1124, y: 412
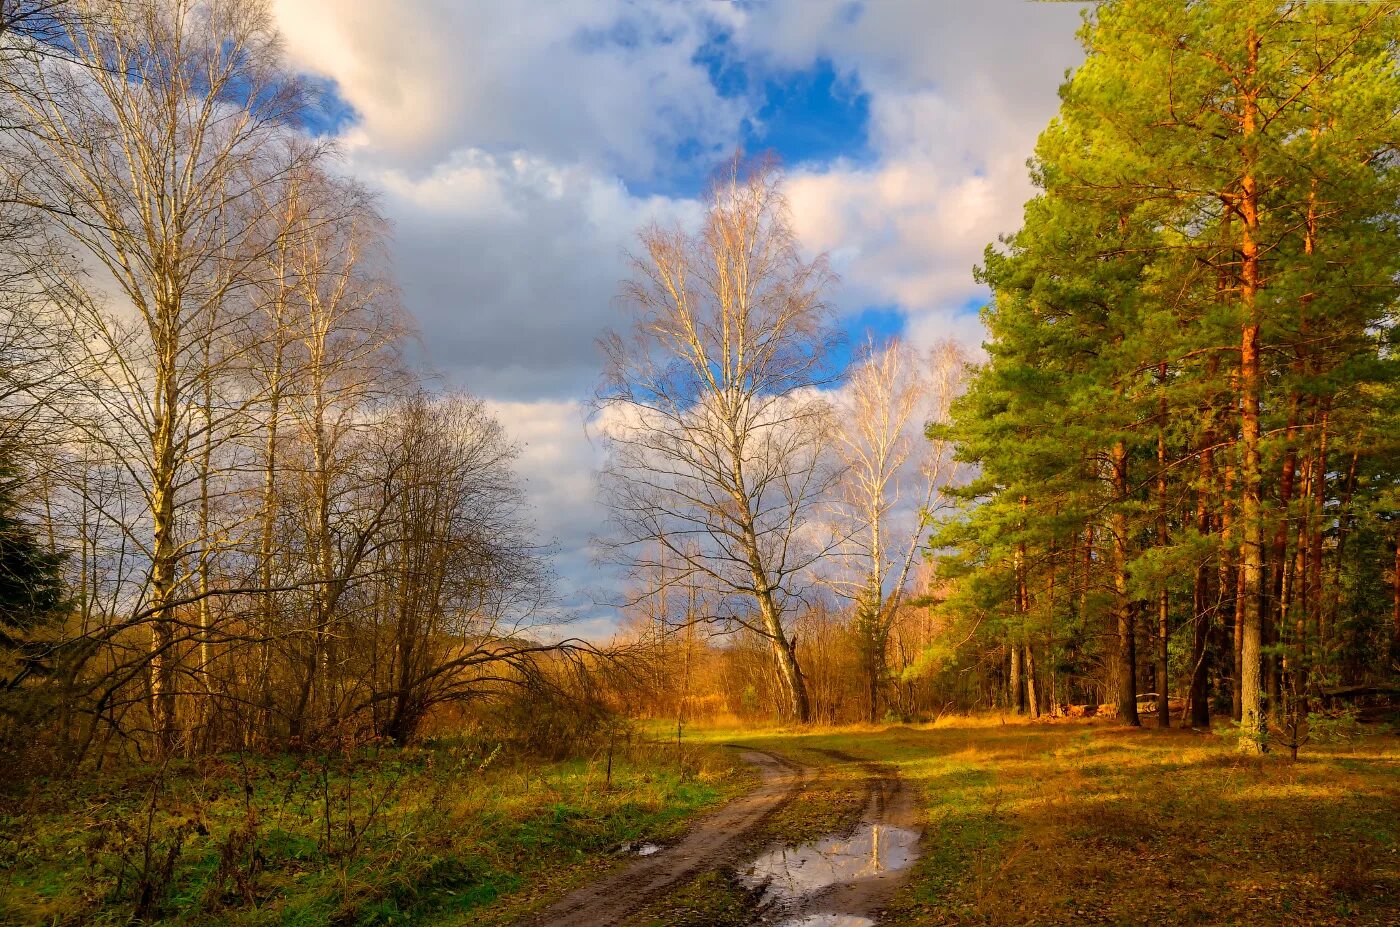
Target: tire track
x: 861, y: 885
x: 612, y: 899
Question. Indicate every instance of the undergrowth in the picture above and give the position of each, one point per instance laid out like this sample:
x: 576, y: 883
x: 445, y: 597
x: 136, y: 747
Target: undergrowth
x: 358, y: 837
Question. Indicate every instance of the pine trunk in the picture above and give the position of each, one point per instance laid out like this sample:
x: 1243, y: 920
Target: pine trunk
x: 1253, y: 723
x: 1201, y: 606
x: 1014, y: 687
x: 1123, y: 610
x: 1164, y: 714
x: 1032, y: 698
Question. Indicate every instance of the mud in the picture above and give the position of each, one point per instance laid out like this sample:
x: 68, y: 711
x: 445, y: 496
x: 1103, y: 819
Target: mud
x: 841, y: 880
x: 707, y: 846
x: 828, y: 920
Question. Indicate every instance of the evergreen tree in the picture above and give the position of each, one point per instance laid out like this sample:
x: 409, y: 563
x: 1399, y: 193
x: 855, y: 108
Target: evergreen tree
x: 31, y: 588
x: 1187, y: 337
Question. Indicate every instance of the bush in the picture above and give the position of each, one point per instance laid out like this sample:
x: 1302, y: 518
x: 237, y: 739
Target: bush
x: 549, y: 723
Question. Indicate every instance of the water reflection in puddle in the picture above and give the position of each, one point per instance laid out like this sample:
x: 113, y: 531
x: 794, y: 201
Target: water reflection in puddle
x: 792, y: 873
x: 828, y: 920
x: 638, y: 848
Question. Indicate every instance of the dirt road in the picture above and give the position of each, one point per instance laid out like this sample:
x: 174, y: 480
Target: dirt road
x: 840, y: 879
x: 844, y: 879
x: 610, y: 900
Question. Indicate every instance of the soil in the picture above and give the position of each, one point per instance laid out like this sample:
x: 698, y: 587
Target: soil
x: 782, y: 879
x: 855, y: 874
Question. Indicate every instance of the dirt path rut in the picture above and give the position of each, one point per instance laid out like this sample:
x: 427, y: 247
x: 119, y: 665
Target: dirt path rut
x: 843, y: 879
x: 612, y: 899
x: 847, y: 879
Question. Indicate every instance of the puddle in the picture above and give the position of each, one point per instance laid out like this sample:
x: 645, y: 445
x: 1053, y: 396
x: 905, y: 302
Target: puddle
x: 793, y: 873
x: 637, y: 848
x: 828, y: 920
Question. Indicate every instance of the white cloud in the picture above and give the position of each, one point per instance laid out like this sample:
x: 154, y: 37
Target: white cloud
x: 558, y: 462
x: 499, y: 134
x: 573, y: 80
x: 1016, y: 50
x: 958, y: 95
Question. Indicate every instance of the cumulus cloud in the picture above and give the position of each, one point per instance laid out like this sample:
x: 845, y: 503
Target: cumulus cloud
x: 501, y: 136
x: 510, y: 141
x: 511, y: 265
x: 613, y: 85
x: 1014, y: 50
x: 957, y: 99
x: 558, y: 462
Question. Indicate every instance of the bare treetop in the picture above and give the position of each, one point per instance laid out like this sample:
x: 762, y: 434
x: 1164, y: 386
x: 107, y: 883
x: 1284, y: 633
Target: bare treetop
x: 711, y: 408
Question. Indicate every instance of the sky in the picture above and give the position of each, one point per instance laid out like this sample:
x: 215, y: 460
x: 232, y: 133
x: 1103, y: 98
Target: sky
x: 518, y: 149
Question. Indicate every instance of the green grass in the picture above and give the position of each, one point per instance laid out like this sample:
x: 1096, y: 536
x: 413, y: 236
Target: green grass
x: 442, y: 835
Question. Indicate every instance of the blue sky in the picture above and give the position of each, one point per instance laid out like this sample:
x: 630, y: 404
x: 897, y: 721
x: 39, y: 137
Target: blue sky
x: 518, y: 150
x: 804, y: 116
x: 330, y: 114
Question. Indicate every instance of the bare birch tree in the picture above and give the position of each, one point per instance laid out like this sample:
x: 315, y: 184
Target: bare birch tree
x: 709, y: 406
x: 142, y: 149
x: 275, y: 533
x: 889, y: 390
x: 334, y: 358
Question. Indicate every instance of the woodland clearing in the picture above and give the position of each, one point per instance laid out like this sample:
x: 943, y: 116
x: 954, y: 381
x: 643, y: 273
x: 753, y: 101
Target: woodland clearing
x: 651, y: 535
x: 1076, y: 821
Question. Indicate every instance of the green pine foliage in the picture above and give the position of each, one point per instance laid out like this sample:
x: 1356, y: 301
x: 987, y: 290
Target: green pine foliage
x: 1219, y: 185
x: 32, y: 593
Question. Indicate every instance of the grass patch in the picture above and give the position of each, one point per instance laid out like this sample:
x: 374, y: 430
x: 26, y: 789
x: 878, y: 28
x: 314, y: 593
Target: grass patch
x: 443, y: 835
x: 1049, y: 823
x: 1090, y: 823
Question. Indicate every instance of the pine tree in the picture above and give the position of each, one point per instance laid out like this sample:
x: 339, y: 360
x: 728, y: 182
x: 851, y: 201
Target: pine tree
x: 1185, y: 336
x: 32, y: 594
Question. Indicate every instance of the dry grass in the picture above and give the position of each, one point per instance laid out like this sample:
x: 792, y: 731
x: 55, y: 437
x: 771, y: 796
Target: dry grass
x: 1089, y: 823
x: 1078, y: 822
